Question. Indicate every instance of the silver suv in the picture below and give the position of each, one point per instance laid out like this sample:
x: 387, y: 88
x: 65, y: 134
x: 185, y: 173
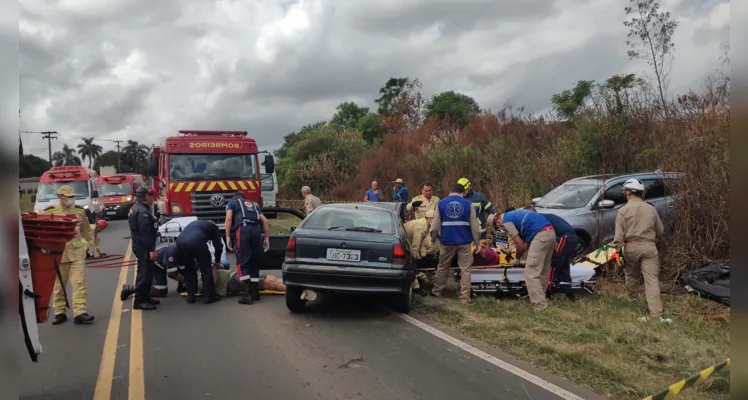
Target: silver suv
x: 590, y: 204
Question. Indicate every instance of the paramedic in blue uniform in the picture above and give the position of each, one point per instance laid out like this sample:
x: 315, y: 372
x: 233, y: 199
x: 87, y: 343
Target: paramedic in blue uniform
x: 532, y: 233
x: 143, y: 233
x: 194, y: 254
x: 245, y: 217
x: 480, y: 203
x: 168, y: 264
x: 566, y: 242
x: 457, y: 227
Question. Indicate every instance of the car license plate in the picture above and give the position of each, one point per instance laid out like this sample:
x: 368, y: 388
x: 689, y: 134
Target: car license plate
x: 344, y: 255
x: 111, y: 212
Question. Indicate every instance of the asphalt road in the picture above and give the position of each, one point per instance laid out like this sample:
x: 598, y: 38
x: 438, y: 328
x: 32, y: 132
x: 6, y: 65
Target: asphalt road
x: 352, y: 349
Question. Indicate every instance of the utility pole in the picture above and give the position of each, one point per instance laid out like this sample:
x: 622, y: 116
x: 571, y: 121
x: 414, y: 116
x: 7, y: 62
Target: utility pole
x: 117, y: 142
x: 49, y: 136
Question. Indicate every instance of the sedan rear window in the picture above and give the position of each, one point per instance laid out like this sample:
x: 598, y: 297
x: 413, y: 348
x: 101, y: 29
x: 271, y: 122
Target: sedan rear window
x: 352, y: 219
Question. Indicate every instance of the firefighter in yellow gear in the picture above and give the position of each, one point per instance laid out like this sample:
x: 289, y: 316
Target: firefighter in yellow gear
x: 73, y: 264
x: 422, y: 248
x: 99, y: 226
x: 423, y: 202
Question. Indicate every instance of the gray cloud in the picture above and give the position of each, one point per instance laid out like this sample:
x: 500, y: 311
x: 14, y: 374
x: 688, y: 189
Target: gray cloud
x: 142, y: 69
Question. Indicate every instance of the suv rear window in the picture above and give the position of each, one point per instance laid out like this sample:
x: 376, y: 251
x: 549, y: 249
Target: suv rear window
x: 350, y: 218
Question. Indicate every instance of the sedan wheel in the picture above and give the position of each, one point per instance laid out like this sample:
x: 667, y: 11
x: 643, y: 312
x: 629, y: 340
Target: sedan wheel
x: 294, y: 302
x: 404, y: 302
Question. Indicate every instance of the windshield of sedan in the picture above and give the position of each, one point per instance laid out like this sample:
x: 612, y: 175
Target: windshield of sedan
x: 48, y: 191
x: 569, y: 196
x: 193, y: 167
x: 119, y: 189
x: 363, y: 220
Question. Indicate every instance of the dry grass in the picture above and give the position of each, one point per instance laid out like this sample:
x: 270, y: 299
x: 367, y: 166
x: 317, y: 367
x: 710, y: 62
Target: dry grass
x: 598, y: 342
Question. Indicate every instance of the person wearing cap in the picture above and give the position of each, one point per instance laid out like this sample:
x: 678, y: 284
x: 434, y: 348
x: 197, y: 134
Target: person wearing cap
x: 245, y: 217
x: 480, y: 203
x: 99, y: 226
x: 399, y: 191
x: 421, y: 248
x: 73, y: 264
x: 638, y: 227
x: 143, y: 234
x: 456, y: 226
x: 168, y: 264
x: 310, y: 201
x: 534, y: 235
x: 423, y: 202
x: 374, y: 194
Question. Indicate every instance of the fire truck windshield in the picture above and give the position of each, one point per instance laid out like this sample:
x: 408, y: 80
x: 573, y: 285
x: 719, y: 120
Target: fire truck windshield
x: 192, y: 167
x: 115, y: 189
x: 48, y: 191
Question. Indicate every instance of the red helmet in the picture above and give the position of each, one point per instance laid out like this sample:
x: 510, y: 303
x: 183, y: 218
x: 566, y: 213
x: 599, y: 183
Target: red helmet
x: 101, y: 224
x: 153, y: 192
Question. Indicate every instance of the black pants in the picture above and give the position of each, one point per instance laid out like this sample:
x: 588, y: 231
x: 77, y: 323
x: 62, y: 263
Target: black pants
x: 200, y: 256
x: 430, y: 261
x: 561, y: 262
x: 143, y: 276
x: 249, y: 252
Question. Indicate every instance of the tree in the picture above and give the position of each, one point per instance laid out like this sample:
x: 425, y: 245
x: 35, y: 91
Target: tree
x: 370, y: 127
x: 389, y: 93
x: 294, y: 137
x: 89, y: 150
x: 567, y: 103
x: 456, y: 107
x: 654, y: 33
x: 347, y: 116
x: 31, y: 166
x: 109, y: 159
x: 135, y: 155
x: 618, y: 85
x: 65, y: 157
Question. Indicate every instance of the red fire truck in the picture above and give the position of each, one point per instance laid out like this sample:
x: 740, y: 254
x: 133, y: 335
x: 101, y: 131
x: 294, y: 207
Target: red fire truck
x: 197, y: 173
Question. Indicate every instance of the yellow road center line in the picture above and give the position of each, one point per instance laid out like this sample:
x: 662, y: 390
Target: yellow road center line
x: 103, y: 389
x: 137, y: 382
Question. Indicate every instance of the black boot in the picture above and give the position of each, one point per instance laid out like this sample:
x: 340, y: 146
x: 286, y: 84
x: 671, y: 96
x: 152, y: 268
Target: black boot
x: 190, y: 298
x: 83, y: 319
x: 211, y: 298
x: 59, y: 318
x: 246, y: 294
x: 181, y: 288
x: 126, y: 292
x: 145, y: 306
x: 255, y: 291
x: 153, y: 301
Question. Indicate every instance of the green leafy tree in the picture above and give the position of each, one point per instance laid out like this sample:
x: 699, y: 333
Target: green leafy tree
x: 370, y: 127
x: 456, y: 107
x: 389, y: 94
x: 65, y: 157
x: 569, y: 102
x: 89, y: 150
x: 617, y: 87
x: 347, y: 116
x: 135, y: 156
x: 109, y: 159
x: 31, y: 166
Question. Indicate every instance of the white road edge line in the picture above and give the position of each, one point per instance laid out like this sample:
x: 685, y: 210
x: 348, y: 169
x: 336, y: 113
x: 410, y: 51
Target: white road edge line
x: 564, y: 394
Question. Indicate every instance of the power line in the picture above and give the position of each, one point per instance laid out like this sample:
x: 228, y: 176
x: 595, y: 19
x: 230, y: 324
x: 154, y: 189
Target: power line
x: 49, y: 135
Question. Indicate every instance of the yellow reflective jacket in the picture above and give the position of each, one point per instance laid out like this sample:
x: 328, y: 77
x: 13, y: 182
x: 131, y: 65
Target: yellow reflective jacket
x: 75, y: 249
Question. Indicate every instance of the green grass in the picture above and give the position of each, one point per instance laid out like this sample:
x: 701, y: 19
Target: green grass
x: 598, y: 342
x: 26, y: 204
x: 283, y: 224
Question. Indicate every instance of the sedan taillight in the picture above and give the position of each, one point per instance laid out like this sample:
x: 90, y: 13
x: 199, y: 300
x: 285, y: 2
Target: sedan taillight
x: 398, y: 254
x: 291, y: 249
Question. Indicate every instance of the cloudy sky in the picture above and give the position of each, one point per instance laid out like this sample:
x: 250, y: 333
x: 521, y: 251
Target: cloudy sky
x: 142, y: 69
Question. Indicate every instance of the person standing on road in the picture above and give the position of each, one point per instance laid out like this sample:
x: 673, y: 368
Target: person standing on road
x: 638, y: 227
x: 245, y: 216
x: 374, y: 194
x: 532, y: 233
x: 400, y: 191
x: 566, y: 242
x: 456, y: 226
x: 73, y: 264
x: 144, y: 234
x: 99, y: 226
x: 423, y: 202
x: 417, y: 231
x: 311, y: 201
x: 480, y: 203
x: 193, y: 251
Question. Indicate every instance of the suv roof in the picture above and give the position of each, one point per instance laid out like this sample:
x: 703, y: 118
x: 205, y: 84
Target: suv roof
x: 612, y: 177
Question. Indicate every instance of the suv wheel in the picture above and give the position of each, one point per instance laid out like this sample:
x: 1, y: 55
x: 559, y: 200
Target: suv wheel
x: 403, y: 303
x: 294, y: 302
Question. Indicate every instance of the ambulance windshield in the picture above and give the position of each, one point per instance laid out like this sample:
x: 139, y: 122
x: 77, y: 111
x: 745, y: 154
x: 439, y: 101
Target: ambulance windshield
x: 48, y: 191
x: 116, y: 189
x: 195, y: 167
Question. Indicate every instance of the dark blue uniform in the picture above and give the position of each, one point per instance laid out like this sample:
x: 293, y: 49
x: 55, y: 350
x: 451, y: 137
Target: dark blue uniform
x: 144, y: 233
x: 168, y: 264
x: 561, y: 260
x: 193, y: 253
x: 246, y: 222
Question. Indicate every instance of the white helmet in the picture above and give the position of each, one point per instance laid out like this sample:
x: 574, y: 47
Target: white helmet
x: 633, y: 185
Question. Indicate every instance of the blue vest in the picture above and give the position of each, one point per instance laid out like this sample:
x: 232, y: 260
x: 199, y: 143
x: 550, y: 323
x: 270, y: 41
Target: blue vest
x: 242, y: 212
x: 528, y: 223
x: 454, y: 212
